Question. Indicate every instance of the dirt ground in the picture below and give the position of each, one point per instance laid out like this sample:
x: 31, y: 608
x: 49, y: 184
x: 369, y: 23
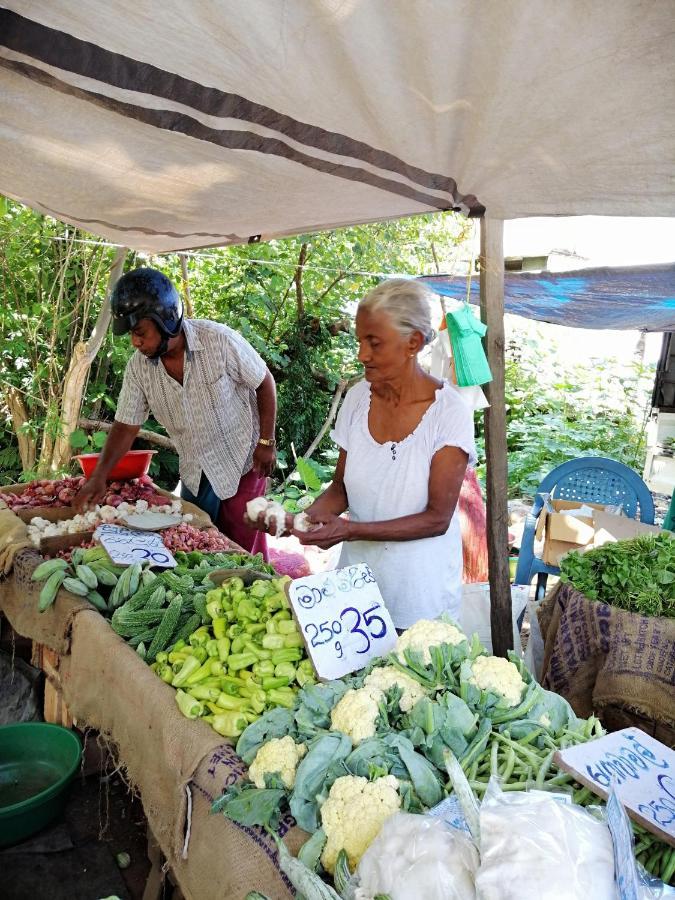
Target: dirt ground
x: 75, y: 857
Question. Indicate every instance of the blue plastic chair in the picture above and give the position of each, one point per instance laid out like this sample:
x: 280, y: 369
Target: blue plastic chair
x: 589, y: 479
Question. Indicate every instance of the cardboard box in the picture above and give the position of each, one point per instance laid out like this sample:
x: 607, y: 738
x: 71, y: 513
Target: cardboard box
x: 610, y: 528
x: 562, y: 534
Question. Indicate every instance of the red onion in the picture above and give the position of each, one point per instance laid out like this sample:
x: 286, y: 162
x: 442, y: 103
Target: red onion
x: 187, y: 537
x: 44, y: 492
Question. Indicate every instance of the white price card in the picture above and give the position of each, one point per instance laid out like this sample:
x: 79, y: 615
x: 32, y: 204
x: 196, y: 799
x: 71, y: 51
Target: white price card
x: 641, y: 769
x: 343, y: 619
x: 125, y: 546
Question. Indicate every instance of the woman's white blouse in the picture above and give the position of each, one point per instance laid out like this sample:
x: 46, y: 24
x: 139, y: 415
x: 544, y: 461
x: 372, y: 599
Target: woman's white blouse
x: 421, y: 578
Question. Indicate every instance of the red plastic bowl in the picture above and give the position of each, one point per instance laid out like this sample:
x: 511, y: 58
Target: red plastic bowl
x: 132, y: 465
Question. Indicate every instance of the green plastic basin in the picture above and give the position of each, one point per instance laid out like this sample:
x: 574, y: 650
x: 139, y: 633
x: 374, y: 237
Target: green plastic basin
x: 37, y: 763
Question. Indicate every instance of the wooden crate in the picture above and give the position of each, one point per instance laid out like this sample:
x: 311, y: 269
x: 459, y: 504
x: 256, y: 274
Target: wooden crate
x: 55, y: 709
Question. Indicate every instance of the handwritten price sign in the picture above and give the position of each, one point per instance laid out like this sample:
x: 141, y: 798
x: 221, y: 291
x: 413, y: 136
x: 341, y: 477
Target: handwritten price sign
x: 126, y: 547
x: 343, y: 619
x: 643, y: 771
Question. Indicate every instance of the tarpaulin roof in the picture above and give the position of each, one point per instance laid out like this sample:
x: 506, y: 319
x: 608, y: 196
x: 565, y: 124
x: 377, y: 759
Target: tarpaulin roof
x: 636, y: 297
x: 166, y: 125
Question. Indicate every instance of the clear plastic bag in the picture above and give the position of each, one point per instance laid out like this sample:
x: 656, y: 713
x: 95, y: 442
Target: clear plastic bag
x: 538, y: 846
x: 418, y: 857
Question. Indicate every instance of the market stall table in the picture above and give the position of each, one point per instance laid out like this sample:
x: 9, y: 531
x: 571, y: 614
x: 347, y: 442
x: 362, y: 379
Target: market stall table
x: 177, y: 765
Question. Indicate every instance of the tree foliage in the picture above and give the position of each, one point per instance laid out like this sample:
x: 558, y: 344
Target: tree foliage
x: 291, y: 299
x: 556, y: 411
x: 294, y: 301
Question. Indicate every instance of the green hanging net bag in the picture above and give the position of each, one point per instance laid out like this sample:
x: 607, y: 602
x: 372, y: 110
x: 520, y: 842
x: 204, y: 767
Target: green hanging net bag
x: 466, y: 332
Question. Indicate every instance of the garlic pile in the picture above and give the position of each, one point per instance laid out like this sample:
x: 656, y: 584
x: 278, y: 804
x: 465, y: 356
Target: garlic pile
x: 42, y: 528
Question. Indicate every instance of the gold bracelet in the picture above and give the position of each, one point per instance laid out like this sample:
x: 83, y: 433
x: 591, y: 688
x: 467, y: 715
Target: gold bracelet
x: 266, y: 442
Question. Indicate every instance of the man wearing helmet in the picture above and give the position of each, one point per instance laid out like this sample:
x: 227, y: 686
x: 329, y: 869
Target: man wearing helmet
x: 210, y: 390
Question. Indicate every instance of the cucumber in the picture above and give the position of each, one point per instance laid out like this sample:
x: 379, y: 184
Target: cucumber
x: 77, y: 556
x: 75, y: 586
x: 47, y: 568
x: 87, y: 576
x: 50, y: 589
x: 104, y: 575
x: 97, y: 600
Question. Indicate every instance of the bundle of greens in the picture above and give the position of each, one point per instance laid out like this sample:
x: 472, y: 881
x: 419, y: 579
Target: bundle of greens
x: 636, y: 575
x: 200, y: 565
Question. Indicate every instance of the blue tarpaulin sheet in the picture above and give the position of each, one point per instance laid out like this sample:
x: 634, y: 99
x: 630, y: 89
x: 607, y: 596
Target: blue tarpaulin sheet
x: 635, y: 297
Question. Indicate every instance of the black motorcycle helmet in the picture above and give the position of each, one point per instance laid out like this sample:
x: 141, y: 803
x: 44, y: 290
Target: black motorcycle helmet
x: 146, y: 294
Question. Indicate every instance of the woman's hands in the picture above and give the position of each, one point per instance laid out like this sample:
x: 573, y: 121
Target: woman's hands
x: 272, y: 525
x: 327, y: 530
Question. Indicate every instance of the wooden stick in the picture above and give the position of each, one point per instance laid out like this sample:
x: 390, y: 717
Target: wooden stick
x: 492, y: 313
x: 158, y: 439
x: 343, y: 385
x: 186, y: 285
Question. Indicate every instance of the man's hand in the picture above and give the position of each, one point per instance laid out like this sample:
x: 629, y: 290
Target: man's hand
x: 264, y: 460
x: 90, y: 493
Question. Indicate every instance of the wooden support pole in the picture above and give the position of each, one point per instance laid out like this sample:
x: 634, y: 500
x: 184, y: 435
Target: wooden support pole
x: 186, y: 285
x: 492, y: 313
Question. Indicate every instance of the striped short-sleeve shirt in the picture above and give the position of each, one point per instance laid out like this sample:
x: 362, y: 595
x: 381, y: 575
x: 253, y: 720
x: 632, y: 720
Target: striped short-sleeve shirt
x: 212, y: 418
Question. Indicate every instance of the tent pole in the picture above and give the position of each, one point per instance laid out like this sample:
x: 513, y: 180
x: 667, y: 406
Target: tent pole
x: 492, y: 313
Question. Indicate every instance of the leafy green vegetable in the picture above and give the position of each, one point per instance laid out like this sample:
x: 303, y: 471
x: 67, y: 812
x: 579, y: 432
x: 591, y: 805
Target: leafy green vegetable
x: 315, y: 702
x: 315, y: 775
x: 277, y: 723
x: 636, y: 575
x: 422, y: 773
x: 249, y: 805
x: 311, y: 850
x: 303, y: 879
x: 436, y: 726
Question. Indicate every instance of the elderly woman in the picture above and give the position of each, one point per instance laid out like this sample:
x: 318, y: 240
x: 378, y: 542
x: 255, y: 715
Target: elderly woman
x: 405, y: 440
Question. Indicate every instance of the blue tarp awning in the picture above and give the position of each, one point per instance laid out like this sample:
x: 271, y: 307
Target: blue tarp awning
x: 633, y: 297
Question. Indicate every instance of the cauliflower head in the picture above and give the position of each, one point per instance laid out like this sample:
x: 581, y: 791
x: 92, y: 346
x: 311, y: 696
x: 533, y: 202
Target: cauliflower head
x: 493, y: 673
x: 280, y: 756
x: 355, y: 714
x: 385, y: 677
x: 353, y: 815
x: 427, y: 633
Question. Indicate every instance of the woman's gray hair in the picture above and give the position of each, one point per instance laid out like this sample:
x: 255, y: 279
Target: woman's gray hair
x: 406, y: 302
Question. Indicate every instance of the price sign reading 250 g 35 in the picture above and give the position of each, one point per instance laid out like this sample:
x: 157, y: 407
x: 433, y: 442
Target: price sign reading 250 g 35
x: 343, y: 619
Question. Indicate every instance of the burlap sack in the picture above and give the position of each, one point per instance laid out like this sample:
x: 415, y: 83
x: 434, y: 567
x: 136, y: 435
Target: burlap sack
x: 611, y: 662
x: 179, y: 766
x: 19, y: 602
x: 13, y: 538
x: 108, y: 687
x: 246, y: 858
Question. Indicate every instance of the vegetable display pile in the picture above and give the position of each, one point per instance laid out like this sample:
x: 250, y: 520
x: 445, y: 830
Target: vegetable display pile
x: 88, y: 572
x: 42, y: 528
x: 636, y: 575
x: 187, y: 537
x: 138, y: 597
x: 249, y: 658
x: 350, y: 753
x: 61, y: 493
x: 44, y: 493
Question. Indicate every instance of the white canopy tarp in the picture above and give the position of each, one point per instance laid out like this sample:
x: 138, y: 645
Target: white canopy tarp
x: 168, y: 124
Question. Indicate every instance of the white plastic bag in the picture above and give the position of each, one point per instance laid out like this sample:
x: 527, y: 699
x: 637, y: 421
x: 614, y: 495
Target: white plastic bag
x: 534, y: 652
x: 536, y: 847
x: 418, y: 857
x: 475, y: 618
